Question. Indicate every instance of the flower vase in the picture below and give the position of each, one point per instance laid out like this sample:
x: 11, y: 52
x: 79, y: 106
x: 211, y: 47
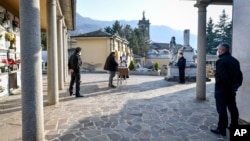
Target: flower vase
x: 11, y: 46
x: 7, y: 44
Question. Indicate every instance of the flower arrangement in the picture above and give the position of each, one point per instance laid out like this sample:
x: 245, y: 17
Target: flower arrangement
x: 12, y: 39
x: 8, y: 36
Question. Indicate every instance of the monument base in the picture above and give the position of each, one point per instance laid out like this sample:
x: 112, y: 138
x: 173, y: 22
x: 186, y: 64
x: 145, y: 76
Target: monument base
x: 173, y: 74
x: 190, y: 74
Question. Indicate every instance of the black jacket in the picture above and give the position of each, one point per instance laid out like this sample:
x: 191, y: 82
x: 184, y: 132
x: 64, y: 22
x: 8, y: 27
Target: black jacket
x: 181, y: 63
x: 228, y: 74
x: 111, y: 64
x: 75, y: 62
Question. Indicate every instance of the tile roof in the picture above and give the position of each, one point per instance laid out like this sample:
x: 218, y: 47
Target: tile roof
x: 97, y: 33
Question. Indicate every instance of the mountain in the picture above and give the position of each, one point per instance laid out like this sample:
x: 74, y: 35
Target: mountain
x: 161, y: 34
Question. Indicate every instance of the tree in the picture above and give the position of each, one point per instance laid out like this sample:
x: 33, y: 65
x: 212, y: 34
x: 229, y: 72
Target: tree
x: 224, y: 29
x: 117, y: 28
x: 143, y: 43
x: 211, y: 36
x: 43, y: 40
x: 133, y: 42
x: 127, y: 31
x: 109, y: 30
x: 136, y: 37
x: 218, y: 33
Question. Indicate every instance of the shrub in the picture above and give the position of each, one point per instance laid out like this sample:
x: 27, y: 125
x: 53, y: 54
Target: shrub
x: 156, y: 66
x: 131, y: 65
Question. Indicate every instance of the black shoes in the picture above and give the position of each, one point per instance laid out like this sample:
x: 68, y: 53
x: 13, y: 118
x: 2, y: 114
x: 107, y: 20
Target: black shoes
x: 70, y: 93
x: 218, y: 131
x: 112, y: 86
x: 79, y: 95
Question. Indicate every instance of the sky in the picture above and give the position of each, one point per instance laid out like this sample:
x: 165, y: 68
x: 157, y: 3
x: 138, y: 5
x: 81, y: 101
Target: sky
x: 177, y: 14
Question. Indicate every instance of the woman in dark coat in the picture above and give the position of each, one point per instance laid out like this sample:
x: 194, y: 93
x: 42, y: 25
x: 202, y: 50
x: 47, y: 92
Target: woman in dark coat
x: 112, y: 66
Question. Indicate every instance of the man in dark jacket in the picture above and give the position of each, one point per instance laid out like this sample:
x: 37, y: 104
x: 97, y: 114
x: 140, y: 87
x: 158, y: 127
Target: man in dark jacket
x: 228, y: 78
x: 74, y: 66
x: 181, y: 65
x: 111, y: 65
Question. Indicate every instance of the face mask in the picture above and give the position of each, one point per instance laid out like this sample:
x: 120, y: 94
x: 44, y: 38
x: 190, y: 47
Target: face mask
x: 217, y: 53
x: 80, y: 53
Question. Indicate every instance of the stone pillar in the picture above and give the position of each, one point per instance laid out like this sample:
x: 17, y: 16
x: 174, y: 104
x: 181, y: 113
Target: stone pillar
x: 31, y: 71
x: 53, y: 97
x: 186, y: 38
x: 201, y: 55
x: 61, y: 66
x: 66, y: 72
x: 240, y: 50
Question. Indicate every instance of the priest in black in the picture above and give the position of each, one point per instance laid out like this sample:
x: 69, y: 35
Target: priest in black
x: 181, y: 65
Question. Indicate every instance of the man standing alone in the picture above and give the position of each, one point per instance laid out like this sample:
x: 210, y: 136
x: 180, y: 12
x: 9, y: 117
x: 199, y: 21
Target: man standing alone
x: 74, y: 65
x: 228, y: 78
x: 181, y: 65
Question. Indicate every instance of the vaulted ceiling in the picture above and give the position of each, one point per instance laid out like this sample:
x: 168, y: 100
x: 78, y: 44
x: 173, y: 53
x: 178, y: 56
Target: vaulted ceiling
x: 68, y: 8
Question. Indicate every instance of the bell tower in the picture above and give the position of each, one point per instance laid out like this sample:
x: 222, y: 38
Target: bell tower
x: 143, y: 23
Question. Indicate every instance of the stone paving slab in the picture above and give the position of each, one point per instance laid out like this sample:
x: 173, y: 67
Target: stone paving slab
x: 145, y: 108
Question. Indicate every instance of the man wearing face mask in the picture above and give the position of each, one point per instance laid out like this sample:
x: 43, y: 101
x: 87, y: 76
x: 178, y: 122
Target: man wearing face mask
x: 74, y: 65
x: 228, y: 78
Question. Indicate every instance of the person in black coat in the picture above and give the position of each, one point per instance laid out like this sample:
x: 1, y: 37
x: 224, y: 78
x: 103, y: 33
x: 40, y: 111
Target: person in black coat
x: 228, y: 78
x: 181, y: 65
x: 112, y: 66
x: 74, y: 66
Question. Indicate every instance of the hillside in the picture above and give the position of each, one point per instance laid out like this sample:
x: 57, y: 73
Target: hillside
x: 161, y: 34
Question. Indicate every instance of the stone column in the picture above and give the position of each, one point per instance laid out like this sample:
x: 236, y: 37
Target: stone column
x: 201, y: 55
x: 53, y: 97
x: 240, y: 50
x: 66, y: 72
x: 60, y: 41
x: 31, y: 71
x: 186, y: 38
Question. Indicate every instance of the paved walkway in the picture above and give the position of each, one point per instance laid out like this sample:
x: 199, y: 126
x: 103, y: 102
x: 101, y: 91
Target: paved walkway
x: 147, y: 108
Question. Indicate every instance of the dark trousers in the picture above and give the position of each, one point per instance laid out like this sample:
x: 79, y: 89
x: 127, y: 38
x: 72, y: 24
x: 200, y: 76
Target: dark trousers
x: 182, y: 75
x: 225, y: 99
x: 75, y: 77
x: 111, y: 76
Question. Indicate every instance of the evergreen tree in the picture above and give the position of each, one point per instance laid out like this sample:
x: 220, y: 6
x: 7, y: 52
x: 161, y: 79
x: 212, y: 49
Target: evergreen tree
x: 224, y: 29
x: 127, y: 31
x: 211, y: 37
x: 44, y: 40
x: 143, y: 42
x: 218, y: 33
x: 117, y: 28
x: 136, y: 37
x: 133, y: 42
x: 109, y: 30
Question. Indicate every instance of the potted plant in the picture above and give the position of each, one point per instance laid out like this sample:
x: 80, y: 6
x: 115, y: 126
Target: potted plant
x: 156, y: 66
x: 131, y: 65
